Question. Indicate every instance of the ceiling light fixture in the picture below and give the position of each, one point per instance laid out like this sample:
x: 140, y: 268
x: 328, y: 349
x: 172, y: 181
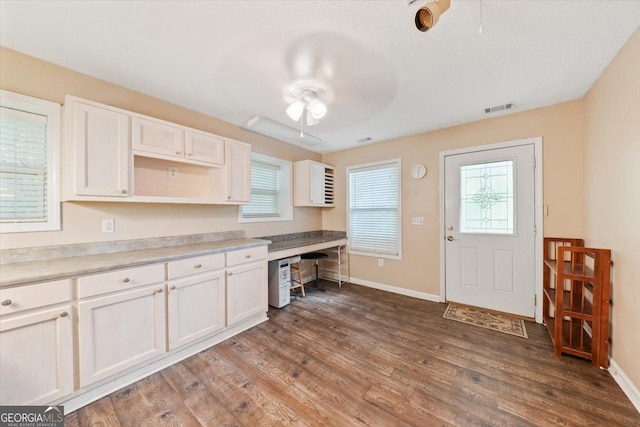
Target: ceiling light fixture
x: 427, y: 16
x: 307, y: 101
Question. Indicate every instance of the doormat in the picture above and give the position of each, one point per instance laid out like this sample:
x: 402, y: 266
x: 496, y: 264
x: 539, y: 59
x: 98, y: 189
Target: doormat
x: 486, y: 319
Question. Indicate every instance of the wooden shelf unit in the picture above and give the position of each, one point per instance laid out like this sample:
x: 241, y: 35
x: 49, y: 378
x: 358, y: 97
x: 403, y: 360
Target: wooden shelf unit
x: 576, y: 284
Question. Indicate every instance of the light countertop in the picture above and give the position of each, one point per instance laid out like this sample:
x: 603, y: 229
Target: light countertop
x: 59, y: 268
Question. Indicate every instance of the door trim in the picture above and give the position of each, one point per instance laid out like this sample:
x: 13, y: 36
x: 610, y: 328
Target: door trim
x: 538, y: 215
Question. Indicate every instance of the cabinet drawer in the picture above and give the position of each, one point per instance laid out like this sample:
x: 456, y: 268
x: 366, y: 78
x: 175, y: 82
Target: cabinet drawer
x: 22, y: 298
x: 246, y: 255
x: 200, y: 264
x: 119, y: 280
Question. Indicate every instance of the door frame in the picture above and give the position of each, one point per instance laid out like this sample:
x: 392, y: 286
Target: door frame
x: 538, y: 214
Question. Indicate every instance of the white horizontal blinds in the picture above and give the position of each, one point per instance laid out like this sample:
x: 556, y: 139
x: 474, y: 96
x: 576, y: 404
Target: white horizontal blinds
x: 23, y: 166
x: 265, y: 189
x: 374, y: 207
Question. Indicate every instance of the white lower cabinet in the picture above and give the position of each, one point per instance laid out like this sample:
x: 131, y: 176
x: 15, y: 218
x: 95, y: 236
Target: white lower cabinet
x: 246, y: 291
x: 36, y: 356
x: 195, y: 307
x: 120, y: 330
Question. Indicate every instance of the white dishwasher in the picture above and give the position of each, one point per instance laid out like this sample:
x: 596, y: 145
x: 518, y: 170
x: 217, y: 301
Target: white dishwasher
x: 279, y: 283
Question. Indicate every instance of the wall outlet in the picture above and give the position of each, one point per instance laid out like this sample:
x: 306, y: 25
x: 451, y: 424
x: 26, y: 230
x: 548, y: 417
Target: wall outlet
x: 417, y: 220
x: 108, y: 225
x: 172, y: 172
x: 380, y: 262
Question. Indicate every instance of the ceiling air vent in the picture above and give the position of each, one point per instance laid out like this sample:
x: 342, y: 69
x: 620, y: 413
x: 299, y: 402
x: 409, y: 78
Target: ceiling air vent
x: 502, y: 107
x: 363, y: 140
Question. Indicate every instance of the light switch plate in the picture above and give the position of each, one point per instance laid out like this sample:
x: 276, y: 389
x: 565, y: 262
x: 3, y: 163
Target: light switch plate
x: 108, y: 225
x: 417, y: 220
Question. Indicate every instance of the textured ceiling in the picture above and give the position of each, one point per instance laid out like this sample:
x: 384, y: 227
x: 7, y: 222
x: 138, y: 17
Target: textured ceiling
x: 232, y: 59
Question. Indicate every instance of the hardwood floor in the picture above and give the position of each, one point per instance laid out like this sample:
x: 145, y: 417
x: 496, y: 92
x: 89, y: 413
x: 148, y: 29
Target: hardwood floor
x: 359, y: 356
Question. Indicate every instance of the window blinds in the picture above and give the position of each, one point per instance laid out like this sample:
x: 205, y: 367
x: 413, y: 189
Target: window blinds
x: 374, y: 207
x: 265, y: 189
x: 23, y: 166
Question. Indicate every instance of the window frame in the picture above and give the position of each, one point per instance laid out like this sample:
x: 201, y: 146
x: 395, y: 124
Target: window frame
x: 398, y: 164
x: 51, y: 111
x: 286, y: 181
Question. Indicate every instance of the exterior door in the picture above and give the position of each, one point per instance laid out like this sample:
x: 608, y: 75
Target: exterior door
x: 490, y: 229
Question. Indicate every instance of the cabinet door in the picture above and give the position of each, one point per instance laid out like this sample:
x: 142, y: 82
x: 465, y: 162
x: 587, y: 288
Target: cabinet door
x: 157, y: 137
x: 36, y: 361
x: 196, y: 307
x: 101, y: 151
x: 119, y: 331
x: 316, y: 184
x: 238, y: 171
x: 246, y: 291
x: 203, y: 147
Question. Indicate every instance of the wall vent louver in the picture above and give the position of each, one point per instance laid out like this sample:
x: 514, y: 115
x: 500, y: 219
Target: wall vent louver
x: 507, y: 106
x: 363, y: 140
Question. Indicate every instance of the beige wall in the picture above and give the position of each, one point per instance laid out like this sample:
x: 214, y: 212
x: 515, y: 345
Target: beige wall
x: 561, y: 129
x: 81, y: 221
x: 612, y: 193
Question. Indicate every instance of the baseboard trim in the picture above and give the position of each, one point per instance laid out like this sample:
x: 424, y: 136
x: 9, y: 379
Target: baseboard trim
x: 91, y: 393
x: 395, y: 289
x: 625, y: 383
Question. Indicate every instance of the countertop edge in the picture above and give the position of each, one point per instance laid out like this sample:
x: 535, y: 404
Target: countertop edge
x: 25, y: 273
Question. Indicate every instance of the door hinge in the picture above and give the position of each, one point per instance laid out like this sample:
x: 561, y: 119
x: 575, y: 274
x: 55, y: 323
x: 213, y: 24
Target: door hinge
x: 535, y: 231
x: 535, y: 300
x: 535, y: 163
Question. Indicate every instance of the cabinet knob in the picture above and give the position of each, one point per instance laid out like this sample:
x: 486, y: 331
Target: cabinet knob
x: 188, y: 154
x: 158, y: 291
x: 197, y: 266
x: 230, y: 273
x: 173, y: 287
x: 178, y: 153
x: 247, y: 256
x: 126, y: 280
x: 6, y: 302
x: 64, y: 314
x: 124, y: 191
x: 228, y: 197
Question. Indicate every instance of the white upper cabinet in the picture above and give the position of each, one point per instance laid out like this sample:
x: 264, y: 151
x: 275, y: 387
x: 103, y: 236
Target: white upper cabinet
x: 237, y: 171
x: 313, y: 184
x: 176, y: 142
x: 113, y: 154
x: 96, y: 152
x: 153, y: 136
x: 204, y: 147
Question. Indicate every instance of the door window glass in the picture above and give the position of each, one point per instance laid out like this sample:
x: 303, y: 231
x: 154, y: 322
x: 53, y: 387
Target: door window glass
x: 487, y: 198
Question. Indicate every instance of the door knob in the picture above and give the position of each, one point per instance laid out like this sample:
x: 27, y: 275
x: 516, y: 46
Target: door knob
x: 450, y: 238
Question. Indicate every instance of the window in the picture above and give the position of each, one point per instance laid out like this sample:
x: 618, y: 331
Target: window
x: 270, y: 191
x: 487, y: 199
x: 29, y: 153
x: 374, y: 209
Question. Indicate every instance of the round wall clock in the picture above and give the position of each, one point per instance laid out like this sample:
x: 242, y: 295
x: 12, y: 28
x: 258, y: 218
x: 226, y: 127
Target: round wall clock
x: 418, y: 171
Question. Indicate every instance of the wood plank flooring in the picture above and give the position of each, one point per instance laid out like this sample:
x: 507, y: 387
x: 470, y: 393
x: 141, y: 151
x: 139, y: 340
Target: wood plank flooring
x: 359, y: 356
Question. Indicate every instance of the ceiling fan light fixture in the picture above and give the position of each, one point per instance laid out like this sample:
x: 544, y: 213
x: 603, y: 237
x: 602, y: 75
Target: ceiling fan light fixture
x: 317, y: 108
x: 295, y: 110
x: 311, y: 121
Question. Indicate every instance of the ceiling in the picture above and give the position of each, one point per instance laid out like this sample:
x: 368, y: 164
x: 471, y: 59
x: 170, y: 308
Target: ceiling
x: 232, y: 59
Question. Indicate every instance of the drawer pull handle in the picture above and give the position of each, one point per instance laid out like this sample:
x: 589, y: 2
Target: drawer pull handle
x: 6, y: 302
x: 247, y: 256
x: 64, y: 314
x: 126, y: 280
x: 197, y: 266
x: 173, y: 287
x: 158, y: 291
